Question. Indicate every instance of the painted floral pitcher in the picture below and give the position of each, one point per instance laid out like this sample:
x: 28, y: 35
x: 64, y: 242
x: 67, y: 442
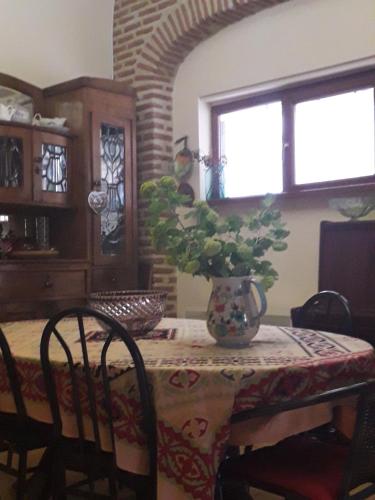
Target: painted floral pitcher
x: 233, y: 317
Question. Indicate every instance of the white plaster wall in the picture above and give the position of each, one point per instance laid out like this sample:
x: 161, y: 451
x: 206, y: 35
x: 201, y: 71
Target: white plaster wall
x: 289, y: 42
x: 49, y: 41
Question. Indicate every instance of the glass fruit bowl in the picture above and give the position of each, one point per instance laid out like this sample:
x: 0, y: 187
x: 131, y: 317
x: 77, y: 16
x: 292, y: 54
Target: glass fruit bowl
x: 354, y: 207
x: 139, y: 311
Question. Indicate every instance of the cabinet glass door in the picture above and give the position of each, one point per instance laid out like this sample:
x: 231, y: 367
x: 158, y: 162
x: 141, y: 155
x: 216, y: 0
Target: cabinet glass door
x: 112, y: 175
x: 15, y: 157
x: 51, y: 168
x: 112, y: 182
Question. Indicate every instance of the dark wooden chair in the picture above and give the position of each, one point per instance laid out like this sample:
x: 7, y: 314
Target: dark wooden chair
x: 326, y: 310
x: 19, y: 433
x: 85, y: 453
x: 302, y: 467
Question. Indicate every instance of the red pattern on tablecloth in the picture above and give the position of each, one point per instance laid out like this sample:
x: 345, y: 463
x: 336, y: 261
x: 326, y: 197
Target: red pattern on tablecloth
x: 177, y: 457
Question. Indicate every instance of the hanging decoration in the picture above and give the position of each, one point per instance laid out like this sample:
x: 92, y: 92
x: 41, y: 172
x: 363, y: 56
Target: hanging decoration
x: 97, y: 201
x: 184, y: 161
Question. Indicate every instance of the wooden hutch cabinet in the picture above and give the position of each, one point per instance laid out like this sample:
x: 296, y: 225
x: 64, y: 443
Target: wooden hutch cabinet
x: 46, y: 174
x: 347, y: 265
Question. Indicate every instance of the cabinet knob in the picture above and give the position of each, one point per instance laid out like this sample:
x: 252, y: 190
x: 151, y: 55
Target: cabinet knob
x: 114, y: 279
x: 37, y: 170
x: 47, y: 282
x: 38, y: 159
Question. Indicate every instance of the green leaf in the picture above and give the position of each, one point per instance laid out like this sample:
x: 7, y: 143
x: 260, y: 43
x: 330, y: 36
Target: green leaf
x: 222, y: 228
x: 192, y: 266
x: 279, y: 234
x: 245, y: 251
x: 147, y: 189
x: 267, y: 282
x: 279, y: 246
x: 211, y: 247
x: 230, y: 247
x: 234, y: 223
x: 268, y: 200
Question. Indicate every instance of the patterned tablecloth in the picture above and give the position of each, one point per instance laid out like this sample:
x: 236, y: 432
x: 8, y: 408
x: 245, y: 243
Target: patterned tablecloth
x: 197, y: 387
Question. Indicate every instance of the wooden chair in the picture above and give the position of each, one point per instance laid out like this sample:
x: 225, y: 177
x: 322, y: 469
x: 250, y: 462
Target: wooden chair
x: 302, y: 467
x: 19, y: 433
x: 326, y: 310
x: 85, y: 453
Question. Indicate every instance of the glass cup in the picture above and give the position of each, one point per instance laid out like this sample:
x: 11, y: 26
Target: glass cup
x: 42, y: 232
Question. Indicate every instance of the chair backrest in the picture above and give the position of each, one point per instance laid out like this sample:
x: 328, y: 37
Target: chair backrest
x: 94, y: 380
x: 360, y: 466
x: 326, y: 310
x: 13, y: 380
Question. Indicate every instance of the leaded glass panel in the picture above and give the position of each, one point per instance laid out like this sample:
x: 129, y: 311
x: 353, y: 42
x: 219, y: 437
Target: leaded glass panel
x: 112, y: 166
x: 11, y: 162
x: 54, y: 168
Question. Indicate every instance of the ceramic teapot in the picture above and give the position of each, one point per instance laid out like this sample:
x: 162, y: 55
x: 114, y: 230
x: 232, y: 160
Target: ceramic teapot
x: 42, y: 121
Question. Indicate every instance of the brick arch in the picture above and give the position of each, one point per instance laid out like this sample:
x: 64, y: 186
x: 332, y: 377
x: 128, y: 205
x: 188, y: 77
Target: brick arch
x: 150, y: 41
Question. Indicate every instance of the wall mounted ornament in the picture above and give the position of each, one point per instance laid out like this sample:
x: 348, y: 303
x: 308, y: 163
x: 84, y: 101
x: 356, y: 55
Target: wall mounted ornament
x: 184, y: 161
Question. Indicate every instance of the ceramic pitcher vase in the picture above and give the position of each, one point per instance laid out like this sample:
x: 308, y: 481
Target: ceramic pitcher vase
x: 233, y: 316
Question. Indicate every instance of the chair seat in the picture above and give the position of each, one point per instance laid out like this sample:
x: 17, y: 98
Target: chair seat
x: 299, y: 465
x: 31, y: 436
x: 87, y: 458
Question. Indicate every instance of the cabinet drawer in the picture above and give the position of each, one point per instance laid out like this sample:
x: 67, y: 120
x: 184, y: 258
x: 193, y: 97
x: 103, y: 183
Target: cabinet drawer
x: 109, y: 279
x: 40, y: 285
x: 25, y: 310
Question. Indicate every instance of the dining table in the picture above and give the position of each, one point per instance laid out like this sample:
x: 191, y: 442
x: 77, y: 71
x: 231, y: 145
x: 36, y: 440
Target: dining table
x: 197, y: 386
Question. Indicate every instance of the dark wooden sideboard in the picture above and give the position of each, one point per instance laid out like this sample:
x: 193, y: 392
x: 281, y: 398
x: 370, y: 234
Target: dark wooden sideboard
x: 347, y: 265
x: 91, y: 252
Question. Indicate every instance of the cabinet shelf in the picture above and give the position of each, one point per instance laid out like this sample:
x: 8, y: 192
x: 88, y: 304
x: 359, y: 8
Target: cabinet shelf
x: 29, y: 126
x: 33, y: 208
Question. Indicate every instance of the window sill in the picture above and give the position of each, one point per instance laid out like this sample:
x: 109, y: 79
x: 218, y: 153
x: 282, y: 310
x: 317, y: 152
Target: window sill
x: 306, y: 193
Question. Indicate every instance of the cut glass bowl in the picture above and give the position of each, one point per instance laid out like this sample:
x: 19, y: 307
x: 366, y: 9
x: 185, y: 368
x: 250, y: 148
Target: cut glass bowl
x: 139, y: 311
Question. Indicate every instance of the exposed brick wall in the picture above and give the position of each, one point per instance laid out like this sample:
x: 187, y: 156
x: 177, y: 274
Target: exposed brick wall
x: 150, y: 40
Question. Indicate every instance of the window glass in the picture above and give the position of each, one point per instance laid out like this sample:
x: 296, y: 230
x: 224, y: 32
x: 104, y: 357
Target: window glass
x: 334, y: 137
x: 251, y: 141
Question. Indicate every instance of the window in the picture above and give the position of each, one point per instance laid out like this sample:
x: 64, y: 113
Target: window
x: 263, y: 123
x: 313, y: 136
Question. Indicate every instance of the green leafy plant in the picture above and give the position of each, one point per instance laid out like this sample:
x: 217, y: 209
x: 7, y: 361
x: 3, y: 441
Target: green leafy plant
x: 199, y: 242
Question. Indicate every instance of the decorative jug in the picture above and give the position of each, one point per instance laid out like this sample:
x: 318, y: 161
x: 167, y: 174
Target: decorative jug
x: 233, y: 317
